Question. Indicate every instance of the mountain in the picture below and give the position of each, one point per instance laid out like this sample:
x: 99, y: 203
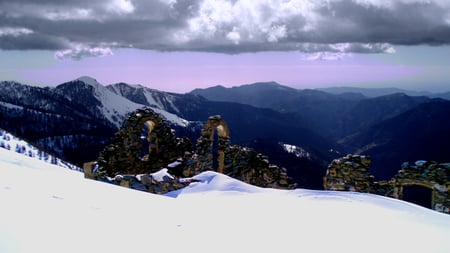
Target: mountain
x: 318, y: 109
x: 103, y: 101
x: 381, y: 126
x: 377, y: 92
x: 73, y: 120
x: 77, y: 119
x: 259, y: 128
x: 46, y: 208
x: 103, y: 104
x: 160, y: 101
x: 265, y: 95
x: 256, y: 94
x: 332, y: 116
x: 58, y: 124
x: 422, y: 132
x: 371, y: 111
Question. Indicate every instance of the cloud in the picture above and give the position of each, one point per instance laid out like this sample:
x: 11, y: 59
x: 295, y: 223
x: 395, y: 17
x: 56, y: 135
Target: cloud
x: 225, y: 26
x: 14, y: 31
x: 79, y: 52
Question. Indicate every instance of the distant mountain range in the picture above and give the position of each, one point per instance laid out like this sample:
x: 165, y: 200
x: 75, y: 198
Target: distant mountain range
x: 76, y: 119
x: 392, y: 127
x: 377, y: 92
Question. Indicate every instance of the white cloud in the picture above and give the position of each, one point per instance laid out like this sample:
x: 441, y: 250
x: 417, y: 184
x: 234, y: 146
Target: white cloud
x: 234, y: 36
x: 339, y: 51
x: 121, y: 6
x: 14, y: 31
x: 325, y: 56
x: 72, y: 14
x: 79, y: 51
x: 276, y: 33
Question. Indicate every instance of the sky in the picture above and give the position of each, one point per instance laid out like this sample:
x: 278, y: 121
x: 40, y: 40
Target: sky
x: 179, y: 45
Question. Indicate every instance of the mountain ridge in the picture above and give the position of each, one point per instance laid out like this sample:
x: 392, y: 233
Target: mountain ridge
x: 377, y: 92
x: 78, y: 118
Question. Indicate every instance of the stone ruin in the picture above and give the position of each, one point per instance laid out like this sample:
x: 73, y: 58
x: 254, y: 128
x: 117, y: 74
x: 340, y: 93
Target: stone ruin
x: 205, y: 143
x: 145, y: 145
x: 352, y: 173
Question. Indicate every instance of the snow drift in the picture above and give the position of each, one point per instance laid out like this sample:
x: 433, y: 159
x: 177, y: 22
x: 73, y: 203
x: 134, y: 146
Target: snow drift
x: 46, y: 208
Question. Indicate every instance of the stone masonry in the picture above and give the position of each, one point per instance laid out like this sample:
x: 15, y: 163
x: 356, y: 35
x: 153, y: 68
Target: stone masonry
x: 145, y: 145
x: 352, y: 173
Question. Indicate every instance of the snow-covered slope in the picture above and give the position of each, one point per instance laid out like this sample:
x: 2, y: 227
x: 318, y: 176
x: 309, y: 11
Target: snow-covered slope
x: 115, y: 107
x: 161, y: 102
x: 104, y: 102
x: 10, y: 142
x: 44, y: 209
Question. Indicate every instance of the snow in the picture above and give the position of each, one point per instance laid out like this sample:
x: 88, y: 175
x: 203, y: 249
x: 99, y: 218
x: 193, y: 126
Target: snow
x: 153, y: 99
x: 159, y: 175
x: 45, y: 208
x: 115, y: 107
x: 172, y: 117
x: 10, y: 106
x: 297, y: 151
x: 10, y: 142
x: 89, y: 80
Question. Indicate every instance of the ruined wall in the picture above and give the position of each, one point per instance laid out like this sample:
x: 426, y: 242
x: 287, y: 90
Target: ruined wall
x: 125, y: 153
x: 242, y: 163
x: 122, y: 162
x: 352, y: 173
x: 205, y: 143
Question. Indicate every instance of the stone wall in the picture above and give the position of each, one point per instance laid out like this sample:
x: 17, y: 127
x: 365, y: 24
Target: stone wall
x: 352, y: 173
x: 245, y: 164
x: 123, y: 163
x: 127, y: 153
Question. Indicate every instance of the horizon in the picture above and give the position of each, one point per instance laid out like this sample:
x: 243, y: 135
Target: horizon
x: 176, y: 46
x: 235, y: 86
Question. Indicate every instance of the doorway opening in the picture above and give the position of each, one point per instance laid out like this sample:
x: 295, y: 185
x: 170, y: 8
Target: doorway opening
x: 418, y: 195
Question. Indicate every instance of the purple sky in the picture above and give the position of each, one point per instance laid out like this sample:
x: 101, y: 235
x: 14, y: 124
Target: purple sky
x: 177, y: 46
x: 184, y: 71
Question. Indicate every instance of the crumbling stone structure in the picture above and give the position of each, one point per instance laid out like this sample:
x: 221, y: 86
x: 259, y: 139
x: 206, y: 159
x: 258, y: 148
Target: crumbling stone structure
x: 242, y: 163
x: 352, y: 173
x: 145, y: 144
x: 127, y: 153
x: 205, y: 143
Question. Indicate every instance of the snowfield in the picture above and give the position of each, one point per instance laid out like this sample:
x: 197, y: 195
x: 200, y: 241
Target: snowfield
x: 46, y: 208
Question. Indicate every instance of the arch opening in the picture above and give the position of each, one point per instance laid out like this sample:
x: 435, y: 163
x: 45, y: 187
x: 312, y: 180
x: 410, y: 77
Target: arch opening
x: 149, y: 140
x: 215, y: 136
x: 419, y: 195
x: 215, y: 150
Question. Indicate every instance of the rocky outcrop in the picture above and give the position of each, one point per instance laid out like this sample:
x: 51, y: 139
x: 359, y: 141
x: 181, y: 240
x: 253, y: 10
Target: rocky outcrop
x: 352, y: 173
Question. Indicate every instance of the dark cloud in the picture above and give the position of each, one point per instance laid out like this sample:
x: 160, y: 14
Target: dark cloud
x: 83, y: 28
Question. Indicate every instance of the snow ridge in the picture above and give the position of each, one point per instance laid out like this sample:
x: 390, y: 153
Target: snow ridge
x: 153, y: 98
x: 116, y: 107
